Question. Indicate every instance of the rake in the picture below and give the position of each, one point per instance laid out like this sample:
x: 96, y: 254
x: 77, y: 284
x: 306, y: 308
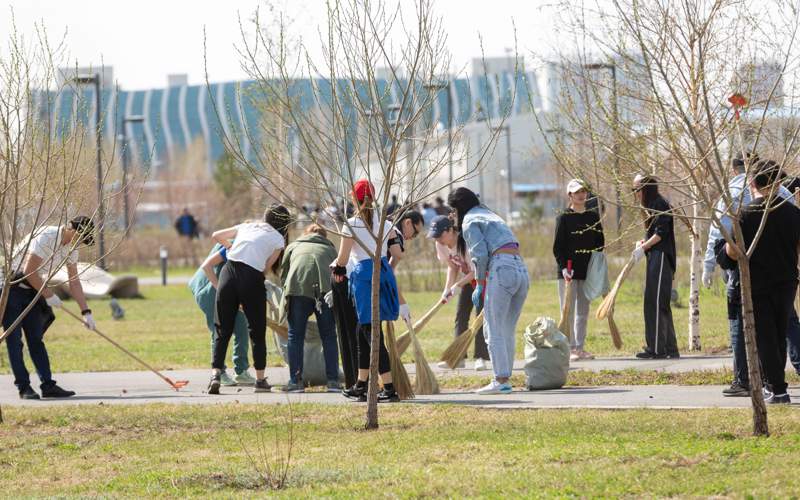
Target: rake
x: 400, y: 380
x: 425, y: 382
x: 404, y: 340
x: 457, y: 350
x: 177, y: 384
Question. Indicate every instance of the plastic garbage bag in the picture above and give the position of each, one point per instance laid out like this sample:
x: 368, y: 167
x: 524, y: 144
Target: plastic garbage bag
x: 596, y: 283
x: 546, y: 355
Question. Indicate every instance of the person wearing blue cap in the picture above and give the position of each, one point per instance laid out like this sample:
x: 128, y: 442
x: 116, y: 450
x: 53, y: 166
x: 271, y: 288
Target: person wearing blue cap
x: 443, y: 232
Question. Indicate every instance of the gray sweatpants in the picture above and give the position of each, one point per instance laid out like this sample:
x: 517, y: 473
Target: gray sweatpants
x: 578, y: 312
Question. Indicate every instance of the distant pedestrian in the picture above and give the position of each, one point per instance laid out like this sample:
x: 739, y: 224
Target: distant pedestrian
x: 186, y: 225
x: 428, y: 213
x: 441, y: 208
x: 393, y: 206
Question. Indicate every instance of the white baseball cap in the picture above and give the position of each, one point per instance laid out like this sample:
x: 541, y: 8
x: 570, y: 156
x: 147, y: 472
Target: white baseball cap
x: 576, y: 185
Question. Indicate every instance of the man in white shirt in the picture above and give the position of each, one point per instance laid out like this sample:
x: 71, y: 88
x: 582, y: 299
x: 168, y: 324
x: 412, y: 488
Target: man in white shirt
x: 35, y: 260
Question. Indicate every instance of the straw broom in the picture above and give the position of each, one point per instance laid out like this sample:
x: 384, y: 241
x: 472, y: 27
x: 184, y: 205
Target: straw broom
x: 404, y: 340
x: 425, y: 381
x: 612, y: 327
x: 400, y: 380
x: 457, y: 350
x: 564, y: 324
x: 607, y: 306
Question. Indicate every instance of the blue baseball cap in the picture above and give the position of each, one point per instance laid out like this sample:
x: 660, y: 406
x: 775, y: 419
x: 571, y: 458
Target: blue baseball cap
x: 439, y: 225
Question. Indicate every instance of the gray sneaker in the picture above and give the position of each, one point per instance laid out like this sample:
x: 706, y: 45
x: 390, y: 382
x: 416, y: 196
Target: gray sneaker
x: 226, y: 380
x: 245, y: 378
x: 334, y: 386
x: 293, y: 387
x: 262, y: 386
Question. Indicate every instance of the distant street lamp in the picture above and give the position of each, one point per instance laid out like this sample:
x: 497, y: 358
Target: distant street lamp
x: 94, y: 79
x: 437, y: 87
x: 125, y: 162
x: 505, y: 128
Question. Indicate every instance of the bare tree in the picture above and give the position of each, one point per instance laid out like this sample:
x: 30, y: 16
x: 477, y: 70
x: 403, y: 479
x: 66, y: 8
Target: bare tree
x: 366, y: 111
x: 684, y: 102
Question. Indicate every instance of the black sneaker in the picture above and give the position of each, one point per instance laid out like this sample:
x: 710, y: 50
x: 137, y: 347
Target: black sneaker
x: 650, y: 355
x: 262, y: 386
x: 28, y: 393
x: 674, y: 355
x: 54, y: 391
x: 214, y: 383
x: 780, y: 399
x: 356, y: 393
x: 388, y: 396
x: 736, y: 390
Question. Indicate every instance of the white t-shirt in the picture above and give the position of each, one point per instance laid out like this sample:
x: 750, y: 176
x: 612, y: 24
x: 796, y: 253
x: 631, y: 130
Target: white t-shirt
x: 254, y: 243
x: 367, y: 237
x: 45, y: 243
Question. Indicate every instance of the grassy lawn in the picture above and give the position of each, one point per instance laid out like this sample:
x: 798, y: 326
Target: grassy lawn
x: 168, y: 330
x: 419, y: 451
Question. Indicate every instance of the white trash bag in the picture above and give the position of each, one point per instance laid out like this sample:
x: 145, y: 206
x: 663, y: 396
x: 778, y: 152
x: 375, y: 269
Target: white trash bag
x: 546, y: 355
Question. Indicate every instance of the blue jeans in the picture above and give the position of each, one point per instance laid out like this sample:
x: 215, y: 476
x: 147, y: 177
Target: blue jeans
x: 33, y: 327
x: 506, y: 291
x: 300, y: 308
x: 206, y: 300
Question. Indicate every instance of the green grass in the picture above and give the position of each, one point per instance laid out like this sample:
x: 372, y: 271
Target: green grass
x: 167, y: 329
x: 420, y: 450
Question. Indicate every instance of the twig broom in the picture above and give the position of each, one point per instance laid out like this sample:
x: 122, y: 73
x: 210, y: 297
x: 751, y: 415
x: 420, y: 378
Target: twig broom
x: 400, y: 380
x: 608, y: 302
x: 404, y: 340
x: 457, y: 350
x: 425, y: 382
x: 564, y: 324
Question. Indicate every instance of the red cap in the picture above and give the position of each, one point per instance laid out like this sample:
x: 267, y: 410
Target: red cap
x: 363, y: 188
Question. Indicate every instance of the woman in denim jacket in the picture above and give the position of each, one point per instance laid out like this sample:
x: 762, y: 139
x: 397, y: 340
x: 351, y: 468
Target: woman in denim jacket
x: 502, y: 280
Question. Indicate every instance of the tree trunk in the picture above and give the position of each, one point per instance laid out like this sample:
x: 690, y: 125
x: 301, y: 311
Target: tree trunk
x: 760, y: 427
x: 695, y: 267
x: 372, y: 391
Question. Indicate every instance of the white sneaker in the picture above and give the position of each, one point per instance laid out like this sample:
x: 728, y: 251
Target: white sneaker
x: 495, y: 387
x: 245, y: 378
x: 226, y: 380
x: 444, y: 366
x: 574, y: 356
x: 481, y: 365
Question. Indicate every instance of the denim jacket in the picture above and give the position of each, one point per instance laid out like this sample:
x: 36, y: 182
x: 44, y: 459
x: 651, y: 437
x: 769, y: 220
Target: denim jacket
x: 484, y: 232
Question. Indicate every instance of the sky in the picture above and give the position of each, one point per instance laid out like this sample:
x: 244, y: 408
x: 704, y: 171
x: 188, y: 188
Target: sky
x: 145, y: 40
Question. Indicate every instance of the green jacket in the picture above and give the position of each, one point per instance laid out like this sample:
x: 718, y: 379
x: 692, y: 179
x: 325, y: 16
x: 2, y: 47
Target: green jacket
x: 305, y: 268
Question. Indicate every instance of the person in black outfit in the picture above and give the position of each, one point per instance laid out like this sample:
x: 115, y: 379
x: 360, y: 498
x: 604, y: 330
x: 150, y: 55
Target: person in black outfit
x: 578, y: 234
x: 659, y: 247
x: 773, y: 272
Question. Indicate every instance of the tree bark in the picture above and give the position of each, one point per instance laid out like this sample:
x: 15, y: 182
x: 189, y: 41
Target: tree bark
x: 760, y: 426
x: 695, y: 267
x: 372, y: 390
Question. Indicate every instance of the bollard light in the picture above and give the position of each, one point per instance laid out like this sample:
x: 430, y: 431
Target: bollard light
x: 163, y: 254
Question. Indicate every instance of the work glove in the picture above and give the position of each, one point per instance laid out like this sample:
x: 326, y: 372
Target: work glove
x: 708, y: 278
x: 53, y: 301
x: 567, y: 274
x: 405, y: 313
x: 329, y: 299
x: 477, y: 295
x: 88, y: 320
x: 450, y: 293
x: 638, y: 253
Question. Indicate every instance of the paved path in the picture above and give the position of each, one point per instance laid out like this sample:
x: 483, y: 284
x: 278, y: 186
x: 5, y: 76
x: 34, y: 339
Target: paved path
x: 141, y: 387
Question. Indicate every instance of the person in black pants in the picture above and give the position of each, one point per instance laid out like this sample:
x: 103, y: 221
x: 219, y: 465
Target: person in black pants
x: 773, y: 272
x: 256, y: 249
x: 659, y: 247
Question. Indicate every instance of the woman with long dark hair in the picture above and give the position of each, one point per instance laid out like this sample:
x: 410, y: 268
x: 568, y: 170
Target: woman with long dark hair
x: 359, y: 242
x: 659, y: 247
x: 502, y: 280
x: 253, y: 249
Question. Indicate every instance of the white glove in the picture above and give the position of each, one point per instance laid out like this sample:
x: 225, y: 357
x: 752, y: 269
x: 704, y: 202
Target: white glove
x: 405, y: 313
x: 88, y: 320
x: 449, y: 293
x: 567, y: 274
x: 708, y: 278
x: 329, y: 299
x: 637, y: 253
x: 53, y: 301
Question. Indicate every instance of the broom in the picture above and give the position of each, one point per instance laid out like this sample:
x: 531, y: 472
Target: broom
x: 612, y: 327
x: 564, y: 325
x: 177, y: 384
x: 400, y: 380
x: 608, y: 302
x: 404, y: 340
x: 457, y: 350
x: 425, y: 381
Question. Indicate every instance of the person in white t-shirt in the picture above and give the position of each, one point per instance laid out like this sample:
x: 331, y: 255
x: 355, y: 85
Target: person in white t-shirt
x: 254, y: 249
x: 36, y: 259
x: 360, y: 239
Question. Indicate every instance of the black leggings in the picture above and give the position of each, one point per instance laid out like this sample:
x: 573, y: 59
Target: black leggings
x: 347, y: 325
x: 240, y: 284
x: 364, y: 337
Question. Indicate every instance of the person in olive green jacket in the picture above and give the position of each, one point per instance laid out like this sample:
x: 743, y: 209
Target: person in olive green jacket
x: 306, y: 278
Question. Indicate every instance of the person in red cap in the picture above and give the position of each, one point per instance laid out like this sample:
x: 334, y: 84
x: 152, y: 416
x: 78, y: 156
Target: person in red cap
x: 354, y: 263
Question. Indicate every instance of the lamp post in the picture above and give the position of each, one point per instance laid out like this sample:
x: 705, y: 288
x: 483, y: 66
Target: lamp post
x: 437, y: 87
x: 505, y: 128
x: 94, y: 79
x: 615, y: 117
x: 125, y: 162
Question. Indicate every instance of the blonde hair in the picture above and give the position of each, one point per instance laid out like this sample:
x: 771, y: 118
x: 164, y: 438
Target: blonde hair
x: 316, y: 229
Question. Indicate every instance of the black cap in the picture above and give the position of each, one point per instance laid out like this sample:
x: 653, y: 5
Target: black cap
x: 439, y: 225
x: 85, y: 228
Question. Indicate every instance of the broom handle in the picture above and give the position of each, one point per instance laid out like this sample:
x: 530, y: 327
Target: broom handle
x: 420, y: 323
x: 281, y: 330
x: 115, y: 344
